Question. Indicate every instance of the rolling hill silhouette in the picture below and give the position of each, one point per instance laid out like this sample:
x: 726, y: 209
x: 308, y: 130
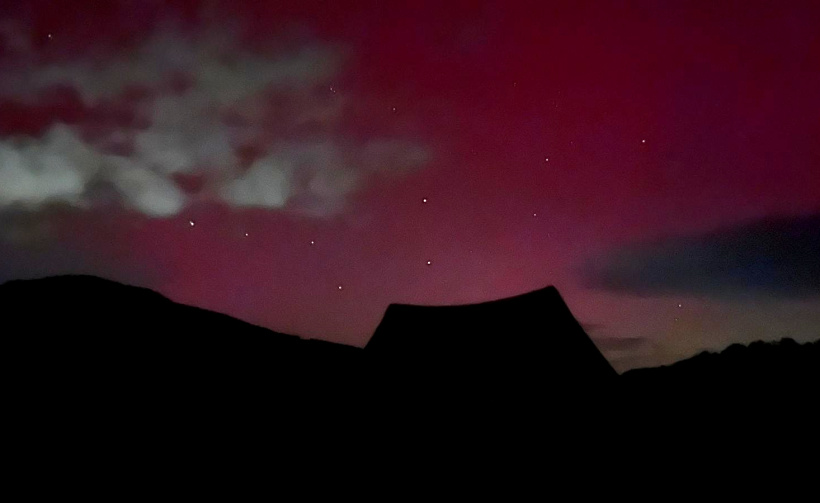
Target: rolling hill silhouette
x: 99, y: 371
x: 105, y: 336
x: 102, y: 337
x: 759, y: 364
x: 68, y: 320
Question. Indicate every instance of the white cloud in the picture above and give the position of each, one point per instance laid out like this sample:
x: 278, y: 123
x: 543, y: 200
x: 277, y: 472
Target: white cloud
x: 183, y: 136
x: 198, y: 129
x: 216, y: 63
x: 55, y: 168
x: 266, y: 184
x: 147, y: 191
x: 61, y: 168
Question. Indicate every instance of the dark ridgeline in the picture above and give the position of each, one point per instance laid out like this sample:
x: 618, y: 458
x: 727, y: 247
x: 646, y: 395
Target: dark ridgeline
x: 111, y: 338
x: 84, y: 337
x: 743, y: 391
x: 760, y: 365
x: 103, y: 337
x: 106, y: 378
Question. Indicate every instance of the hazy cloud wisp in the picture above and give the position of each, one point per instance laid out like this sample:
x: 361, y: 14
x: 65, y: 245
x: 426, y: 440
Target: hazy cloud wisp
x: 776, y: 257
x: 197, y: 129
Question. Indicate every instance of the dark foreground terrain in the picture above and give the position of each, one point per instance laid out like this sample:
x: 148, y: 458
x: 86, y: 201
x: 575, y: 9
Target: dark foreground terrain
x: 96, y: 367
x: 759, y: 363
x: 104, y: 334
x: 95, y: 334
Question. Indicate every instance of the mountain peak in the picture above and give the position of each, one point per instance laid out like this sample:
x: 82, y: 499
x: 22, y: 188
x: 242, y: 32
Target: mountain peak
x: 535, y: 329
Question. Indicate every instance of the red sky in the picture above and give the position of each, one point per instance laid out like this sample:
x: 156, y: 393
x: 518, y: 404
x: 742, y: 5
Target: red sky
x: 547, y: 135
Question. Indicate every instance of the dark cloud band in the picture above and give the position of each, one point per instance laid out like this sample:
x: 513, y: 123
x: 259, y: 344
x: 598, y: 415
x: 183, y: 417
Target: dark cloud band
x: 778, y: 257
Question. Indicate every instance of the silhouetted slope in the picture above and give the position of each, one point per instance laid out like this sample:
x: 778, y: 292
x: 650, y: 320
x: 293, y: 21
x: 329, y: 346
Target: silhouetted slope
x: 111, y: 372
x: 93, y: 364
x: 105, y: 338
x: 105, y: 335
x: 760, y: 364
x: 109, y: 339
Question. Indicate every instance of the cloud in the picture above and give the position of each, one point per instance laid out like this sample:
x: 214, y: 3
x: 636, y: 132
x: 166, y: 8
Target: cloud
x: 147, y: 191
x: 775, y: 257
x: 394, y: 155
x: 207, y: 97
x: 213, y: 58
x: 61, y: 168
x: 266, y: 184
x: 183, y: 136
x: 54, y: 168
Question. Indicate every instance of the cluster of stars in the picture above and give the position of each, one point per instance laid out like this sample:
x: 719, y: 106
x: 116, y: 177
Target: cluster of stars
x: 192, y: 223
x: 424, y: 200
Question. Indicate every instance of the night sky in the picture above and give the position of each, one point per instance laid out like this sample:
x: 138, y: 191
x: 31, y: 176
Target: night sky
x: 301, y: 167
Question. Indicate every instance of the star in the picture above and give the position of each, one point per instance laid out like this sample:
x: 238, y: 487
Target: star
x: 312, y: 242
x: 50, y: 36
x: 340, y: 287
x: 429, y: 262
x: 246, y: 234
x: 535, y: 214
x: 394, y: 109
x: 643, y: 141
x: 191, y: 223
x: 680, y: 305
x: 424, y: 200
x: 547, y: 159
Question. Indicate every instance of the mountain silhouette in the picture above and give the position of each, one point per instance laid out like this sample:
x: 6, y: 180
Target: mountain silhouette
x: 97, y: 369
x: 108, y: 339
x: 81, y: 348
x: 88, y: 322
x: 85, y: 338
x: 759, y: 364
x: 104, y: 336
x: 511, y: 348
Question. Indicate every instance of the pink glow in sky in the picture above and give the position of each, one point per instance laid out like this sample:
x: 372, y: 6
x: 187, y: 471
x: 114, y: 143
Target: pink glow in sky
x: 301, y: 167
